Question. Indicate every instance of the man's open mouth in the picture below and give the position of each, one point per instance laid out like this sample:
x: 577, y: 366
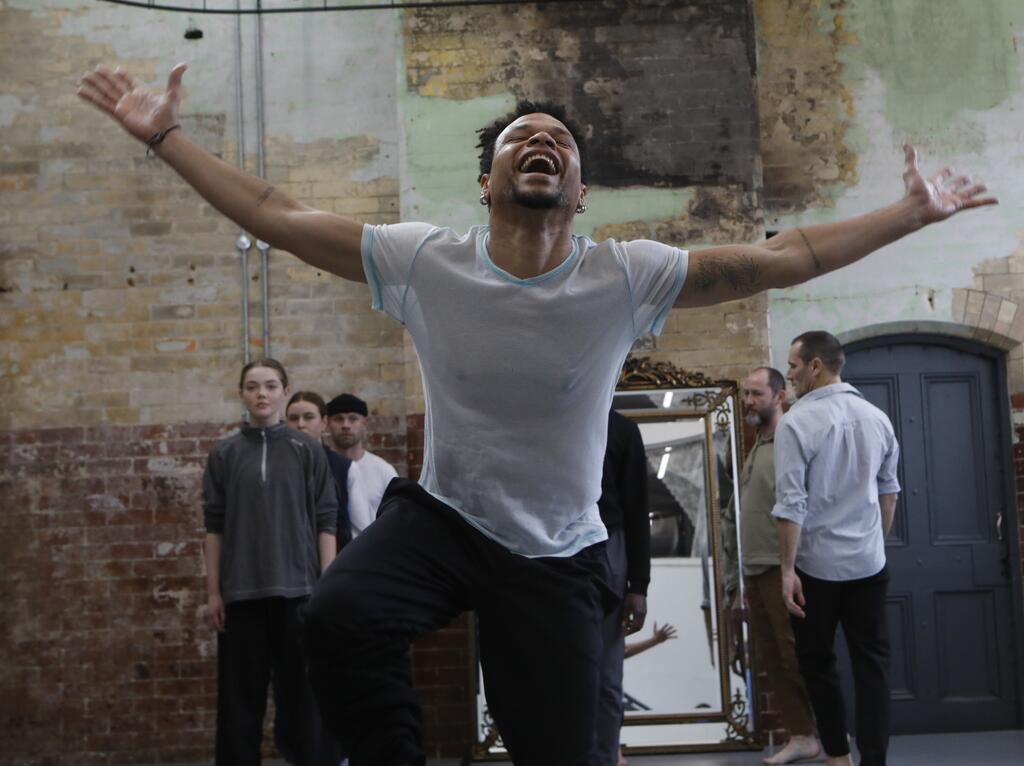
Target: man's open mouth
x: 538, y: 163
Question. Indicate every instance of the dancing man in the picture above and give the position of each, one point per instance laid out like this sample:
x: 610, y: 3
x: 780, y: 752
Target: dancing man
x: 521, y: 329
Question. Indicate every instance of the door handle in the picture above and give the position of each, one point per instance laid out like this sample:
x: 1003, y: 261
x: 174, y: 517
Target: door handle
x: 999, y: 526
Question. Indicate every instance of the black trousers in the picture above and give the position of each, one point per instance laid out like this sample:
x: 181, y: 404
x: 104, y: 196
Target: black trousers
x: 262, y: 644
x: 613, y: 640
x: 412, y: 571
x: 859, y: 606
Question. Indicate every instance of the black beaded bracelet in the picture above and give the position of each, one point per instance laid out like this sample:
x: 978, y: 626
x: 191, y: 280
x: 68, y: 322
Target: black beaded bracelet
x: 158, y: 138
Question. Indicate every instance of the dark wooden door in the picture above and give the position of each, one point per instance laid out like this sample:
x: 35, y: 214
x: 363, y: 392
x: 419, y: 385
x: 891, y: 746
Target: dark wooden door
x: 951, y: 615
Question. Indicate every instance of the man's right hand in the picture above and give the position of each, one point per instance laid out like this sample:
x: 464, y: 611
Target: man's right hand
x: 215, y: 614
x: 140, y: 111
x: 793, y: 593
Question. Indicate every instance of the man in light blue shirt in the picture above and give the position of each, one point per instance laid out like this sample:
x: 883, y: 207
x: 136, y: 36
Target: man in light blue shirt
x: 520, y: 328
x: 835, y: 490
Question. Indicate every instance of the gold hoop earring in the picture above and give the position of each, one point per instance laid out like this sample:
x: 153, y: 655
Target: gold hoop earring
x: 484, y: 201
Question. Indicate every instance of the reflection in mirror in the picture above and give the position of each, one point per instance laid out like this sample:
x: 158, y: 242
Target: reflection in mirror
x: 680, y: 675
x: 686, y: 684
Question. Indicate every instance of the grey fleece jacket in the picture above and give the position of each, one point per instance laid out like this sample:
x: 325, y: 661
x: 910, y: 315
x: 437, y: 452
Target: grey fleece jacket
x: 269, y: 492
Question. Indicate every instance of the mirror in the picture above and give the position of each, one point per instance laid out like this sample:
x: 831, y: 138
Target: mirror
x: 693, y: 692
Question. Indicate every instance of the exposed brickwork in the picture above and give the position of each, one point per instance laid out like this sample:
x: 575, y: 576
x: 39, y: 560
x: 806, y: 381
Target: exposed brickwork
x: 115, y: 275
x: 106, y: 659
x: 803, y: 103
x: 443, y: 673
x: 105, y: 649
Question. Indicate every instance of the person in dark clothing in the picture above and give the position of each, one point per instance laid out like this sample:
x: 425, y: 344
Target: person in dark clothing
x: 307, y: 412
x: 270, y: 515
x: 623, y: 507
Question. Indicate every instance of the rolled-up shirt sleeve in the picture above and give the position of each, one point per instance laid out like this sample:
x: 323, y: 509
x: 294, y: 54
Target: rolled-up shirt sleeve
x: 790, y: 476
x: 888, y: 481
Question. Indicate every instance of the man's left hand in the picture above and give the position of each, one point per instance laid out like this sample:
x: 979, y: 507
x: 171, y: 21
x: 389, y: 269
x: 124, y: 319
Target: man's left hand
x: 634, y: 612
x: 942, y: 195
x: 793, y: 593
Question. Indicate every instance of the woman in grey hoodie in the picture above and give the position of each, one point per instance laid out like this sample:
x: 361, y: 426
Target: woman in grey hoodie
x: 270, y: 512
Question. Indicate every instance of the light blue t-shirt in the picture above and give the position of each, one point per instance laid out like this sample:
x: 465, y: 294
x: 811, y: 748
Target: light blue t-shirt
x: 835, y: 453
x: 518, y: 374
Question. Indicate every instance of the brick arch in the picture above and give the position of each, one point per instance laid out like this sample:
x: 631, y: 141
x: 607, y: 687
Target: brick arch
x: 917, y: 327
x: 981, y: 325
x: 993, y: 319
x: 977, y: 315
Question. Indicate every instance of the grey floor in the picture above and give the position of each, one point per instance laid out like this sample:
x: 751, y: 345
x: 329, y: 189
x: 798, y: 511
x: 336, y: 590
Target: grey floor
x: 997, y: 748
x: 991, y: 748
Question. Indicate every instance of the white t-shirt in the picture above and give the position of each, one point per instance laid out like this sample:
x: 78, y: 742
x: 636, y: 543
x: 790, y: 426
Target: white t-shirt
x: 368, y: 477
x: 518, y: 374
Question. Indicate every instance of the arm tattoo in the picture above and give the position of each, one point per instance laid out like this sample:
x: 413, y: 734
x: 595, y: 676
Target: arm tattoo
x: 814, y: 255
x: 265, y: 196
x: 739, y: 271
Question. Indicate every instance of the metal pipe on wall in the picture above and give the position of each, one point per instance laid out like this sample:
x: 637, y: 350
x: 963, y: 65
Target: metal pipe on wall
x: 243, y: 243
x: 262, y: 246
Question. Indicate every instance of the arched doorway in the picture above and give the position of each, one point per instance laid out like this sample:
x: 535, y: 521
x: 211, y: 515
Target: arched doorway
x: 954, y: 603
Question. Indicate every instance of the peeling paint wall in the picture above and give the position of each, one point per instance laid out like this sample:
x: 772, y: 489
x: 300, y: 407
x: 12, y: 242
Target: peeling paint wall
x: 803, y: 102
x: 664, y: 90
x: 868, y: 76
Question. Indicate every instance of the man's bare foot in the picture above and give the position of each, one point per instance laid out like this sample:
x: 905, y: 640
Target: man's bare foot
x: 797, y: 749
x: 622, y: 759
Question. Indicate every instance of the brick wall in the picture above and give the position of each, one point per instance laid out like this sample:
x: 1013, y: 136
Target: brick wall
x: 117, y: 276
x: 107, y: 658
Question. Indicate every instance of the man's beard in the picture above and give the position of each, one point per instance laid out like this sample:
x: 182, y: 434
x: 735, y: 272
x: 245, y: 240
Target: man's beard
x: 344, y: 442
x: 757, y: 418
x: 540, y: 200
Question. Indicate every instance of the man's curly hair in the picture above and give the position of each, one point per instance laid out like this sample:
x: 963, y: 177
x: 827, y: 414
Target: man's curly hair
x: 489, y: 133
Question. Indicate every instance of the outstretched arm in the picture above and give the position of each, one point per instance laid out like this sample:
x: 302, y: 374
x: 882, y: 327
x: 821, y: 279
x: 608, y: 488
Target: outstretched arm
x: 792, y: 257
x: 324, y: 240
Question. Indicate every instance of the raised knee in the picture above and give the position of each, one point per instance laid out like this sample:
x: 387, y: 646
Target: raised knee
x: 336, y: 604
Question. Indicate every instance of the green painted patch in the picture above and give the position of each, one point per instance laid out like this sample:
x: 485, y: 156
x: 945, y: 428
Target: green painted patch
x: 441, y: 162
x: 610, y: 206
x: 938, y: 58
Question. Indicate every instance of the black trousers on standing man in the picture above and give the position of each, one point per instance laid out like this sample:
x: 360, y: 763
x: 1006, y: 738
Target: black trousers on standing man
x: 859, y: 606
x: 415, y: 569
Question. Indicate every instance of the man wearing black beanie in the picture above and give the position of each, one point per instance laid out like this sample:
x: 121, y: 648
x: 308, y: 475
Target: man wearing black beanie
x: 346, y: 435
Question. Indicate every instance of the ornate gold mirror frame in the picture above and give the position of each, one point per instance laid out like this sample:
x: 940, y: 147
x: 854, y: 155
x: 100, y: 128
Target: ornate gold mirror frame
x: 658, y: 395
